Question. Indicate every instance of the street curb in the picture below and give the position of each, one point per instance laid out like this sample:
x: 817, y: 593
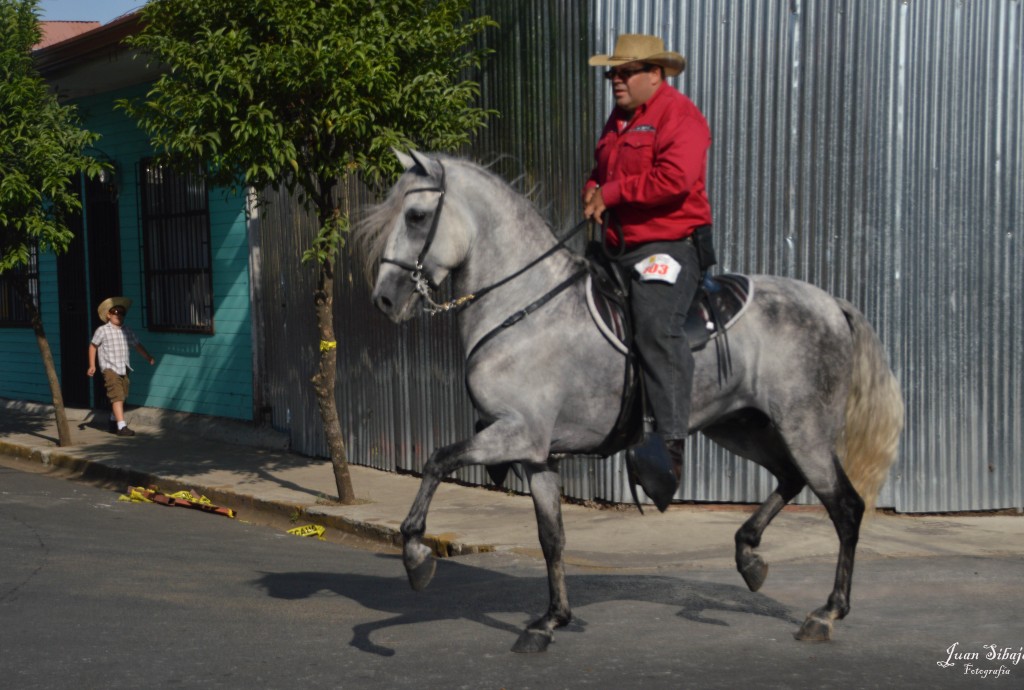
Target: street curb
x: 443, y: 546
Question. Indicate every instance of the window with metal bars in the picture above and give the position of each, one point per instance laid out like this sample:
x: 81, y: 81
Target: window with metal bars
x: 13, y: 312
x: 176, y: 249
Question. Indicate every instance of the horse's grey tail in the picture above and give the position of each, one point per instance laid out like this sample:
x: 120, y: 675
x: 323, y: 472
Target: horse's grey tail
x: 874, y: 412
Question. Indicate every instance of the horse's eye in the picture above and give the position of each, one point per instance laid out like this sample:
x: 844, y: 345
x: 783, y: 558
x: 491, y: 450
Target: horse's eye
x: 414, y: 216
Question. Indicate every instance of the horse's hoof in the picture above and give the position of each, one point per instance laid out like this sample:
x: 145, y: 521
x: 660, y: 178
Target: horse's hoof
x: 533, y: 641
x: 754, y: 572
x: 421, y: 576
x: 814, y: 629
x: 419, y: 565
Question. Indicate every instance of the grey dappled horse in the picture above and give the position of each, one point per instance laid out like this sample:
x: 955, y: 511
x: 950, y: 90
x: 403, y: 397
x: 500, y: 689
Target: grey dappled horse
x: 809, y: 392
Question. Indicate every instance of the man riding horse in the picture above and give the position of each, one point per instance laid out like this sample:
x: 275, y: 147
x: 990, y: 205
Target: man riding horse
x: 648, y: 190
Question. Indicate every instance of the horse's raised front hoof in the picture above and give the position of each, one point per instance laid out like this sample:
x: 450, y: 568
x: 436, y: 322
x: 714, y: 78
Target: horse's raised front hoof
x: 531, y: 641
x: 816, y: 628
x: 419, y: 565
x: 754, y: 571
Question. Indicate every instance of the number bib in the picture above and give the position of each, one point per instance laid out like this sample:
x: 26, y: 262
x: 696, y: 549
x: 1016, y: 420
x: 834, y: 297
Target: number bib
x: 660, y: 267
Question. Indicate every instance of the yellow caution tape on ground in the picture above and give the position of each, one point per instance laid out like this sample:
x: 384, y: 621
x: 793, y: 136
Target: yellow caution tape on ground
x: 136, y: 495
x: 309, y: 531
x: 189, y: 496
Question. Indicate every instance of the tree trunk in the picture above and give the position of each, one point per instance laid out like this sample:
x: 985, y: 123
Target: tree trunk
x: 63, y: 427
x: 324, y: 380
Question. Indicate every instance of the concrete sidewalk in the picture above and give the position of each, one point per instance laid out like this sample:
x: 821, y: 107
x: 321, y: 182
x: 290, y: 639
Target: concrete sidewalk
x: 250, y: 470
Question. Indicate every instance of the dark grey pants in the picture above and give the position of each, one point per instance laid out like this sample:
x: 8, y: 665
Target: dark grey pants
x: 659, y: 312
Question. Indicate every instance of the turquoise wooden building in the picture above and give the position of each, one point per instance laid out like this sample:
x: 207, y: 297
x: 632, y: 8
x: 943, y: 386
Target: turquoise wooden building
x: 179, y: 250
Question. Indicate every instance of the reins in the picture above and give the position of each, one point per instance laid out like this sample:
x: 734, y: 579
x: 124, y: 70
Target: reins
x: 527, y: 310
x: 559, y: 245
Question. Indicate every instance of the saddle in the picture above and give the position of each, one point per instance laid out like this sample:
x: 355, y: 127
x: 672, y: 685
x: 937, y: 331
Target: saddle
x: 719, y: 303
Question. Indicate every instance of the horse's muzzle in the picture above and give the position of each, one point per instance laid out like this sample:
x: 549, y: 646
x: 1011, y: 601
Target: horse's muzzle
x: 387, y: 305
x: 383, y: 303
x: 394, y: 295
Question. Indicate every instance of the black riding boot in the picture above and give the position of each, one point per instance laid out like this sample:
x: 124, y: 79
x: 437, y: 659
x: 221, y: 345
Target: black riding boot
x: 656, y: 466
x: 676, y: 451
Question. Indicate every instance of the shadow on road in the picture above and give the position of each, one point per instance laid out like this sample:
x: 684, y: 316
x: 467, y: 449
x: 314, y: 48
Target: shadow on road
x: 465, y: 592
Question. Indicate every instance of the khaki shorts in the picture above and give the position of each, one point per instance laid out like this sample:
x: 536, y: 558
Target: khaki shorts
x: 117, y: 386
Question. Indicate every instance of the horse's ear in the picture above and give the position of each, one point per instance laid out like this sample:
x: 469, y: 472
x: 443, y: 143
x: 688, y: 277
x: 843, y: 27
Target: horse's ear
x: 427, y: 164
x: 405, y: 159
x: 415, y: 159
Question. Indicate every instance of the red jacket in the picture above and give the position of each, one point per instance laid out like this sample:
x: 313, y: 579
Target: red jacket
x: 652, y: 169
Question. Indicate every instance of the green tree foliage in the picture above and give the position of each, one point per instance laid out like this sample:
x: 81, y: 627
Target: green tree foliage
x: 42, y: 150
x: 41, y: 146
x: 303, y: 94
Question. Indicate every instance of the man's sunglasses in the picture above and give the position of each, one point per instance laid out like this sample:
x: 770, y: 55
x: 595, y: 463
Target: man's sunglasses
x: 625, y: 74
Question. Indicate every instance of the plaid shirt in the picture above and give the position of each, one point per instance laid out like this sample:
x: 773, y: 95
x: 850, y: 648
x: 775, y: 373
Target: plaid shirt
x: 114, y: 347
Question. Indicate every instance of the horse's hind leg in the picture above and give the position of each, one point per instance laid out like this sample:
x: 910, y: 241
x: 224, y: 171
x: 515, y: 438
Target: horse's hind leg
x: 846, y: 509
x: 751, y: 566
x: 547, y: 503
x: 751, y: 435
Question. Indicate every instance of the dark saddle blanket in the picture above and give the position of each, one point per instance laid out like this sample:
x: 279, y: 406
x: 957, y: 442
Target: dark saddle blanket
x: 720, y: 301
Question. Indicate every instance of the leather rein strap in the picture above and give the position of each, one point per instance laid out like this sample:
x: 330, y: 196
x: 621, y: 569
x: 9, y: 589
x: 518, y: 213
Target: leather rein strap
x: 526, y: 311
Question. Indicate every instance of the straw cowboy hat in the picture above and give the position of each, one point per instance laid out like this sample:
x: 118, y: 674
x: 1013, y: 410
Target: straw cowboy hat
x: 641, y: 48
x: 111, y: 302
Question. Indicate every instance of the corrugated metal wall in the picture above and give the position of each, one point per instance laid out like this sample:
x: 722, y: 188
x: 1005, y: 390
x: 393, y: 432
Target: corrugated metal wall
x: 872, y: 147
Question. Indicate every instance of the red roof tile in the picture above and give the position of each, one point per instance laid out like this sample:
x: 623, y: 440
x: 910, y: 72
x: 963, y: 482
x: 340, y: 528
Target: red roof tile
x: 55, y: 32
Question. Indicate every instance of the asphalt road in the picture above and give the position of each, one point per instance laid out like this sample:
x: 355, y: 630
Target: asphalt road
x: 97, y: 593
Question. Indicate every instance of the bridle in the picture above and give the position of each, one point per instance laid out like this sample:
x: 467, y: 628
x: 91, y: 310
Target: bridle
x: 425, y: 284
